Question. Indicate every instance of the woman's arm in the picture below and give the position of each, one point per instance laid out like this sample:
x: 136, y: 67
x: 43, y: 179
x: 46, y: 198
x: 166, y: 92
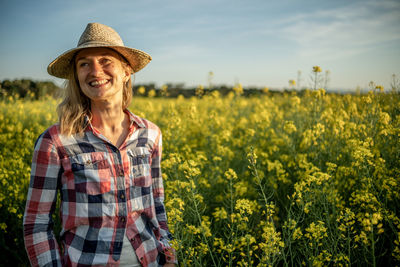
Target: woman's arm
x: 158, y: 193
x: 40, y: 242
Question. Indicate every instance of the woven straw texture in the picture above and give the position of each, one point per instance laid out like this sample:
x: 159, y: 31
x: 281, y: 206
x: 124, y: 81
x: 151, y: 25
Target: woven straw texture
x: 98, y: 35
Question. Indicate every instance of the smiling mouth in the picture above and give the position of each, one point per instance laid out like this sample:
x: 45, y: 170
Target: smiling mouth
x: 98, y: 83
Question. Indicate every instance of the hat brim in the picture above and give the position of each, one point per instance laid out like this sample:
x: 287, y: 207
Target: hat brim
x: 60, y: 67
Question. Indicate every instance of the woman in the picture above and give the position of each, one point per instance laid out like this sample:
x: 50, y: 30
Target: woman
x: 104, y: 161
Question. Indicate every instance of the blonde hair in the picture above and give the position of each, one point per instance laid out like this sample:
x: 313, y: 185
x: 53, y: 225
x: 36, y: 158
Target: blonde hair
x: 76, y: 105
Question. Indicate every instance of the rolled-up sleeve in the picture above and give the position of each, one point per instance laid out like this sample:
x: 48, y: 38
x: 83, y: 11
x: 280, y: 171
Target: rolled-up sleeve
x: 40, y: 242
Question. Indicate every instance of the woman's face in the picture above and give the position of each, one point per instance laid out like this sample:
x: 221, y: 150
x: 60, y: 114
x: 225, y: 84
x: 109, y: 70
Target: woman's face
x: 101, y: 74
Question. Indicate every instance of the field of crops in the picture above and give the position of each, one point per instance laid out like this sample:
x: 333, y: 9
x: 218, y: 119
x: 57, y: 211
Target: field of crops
x: 280, y: 179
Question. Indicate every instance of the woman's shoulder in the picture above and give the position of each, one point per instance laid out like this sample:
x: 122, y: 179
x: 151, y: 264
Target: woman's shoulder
x: 144, y: 123
x: 53, y: 130
x: 151, y: 125
x: 49, y: 134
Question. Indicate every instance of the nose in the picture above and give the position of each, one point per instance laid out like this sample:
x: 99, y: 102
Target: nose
x: 96, y: 68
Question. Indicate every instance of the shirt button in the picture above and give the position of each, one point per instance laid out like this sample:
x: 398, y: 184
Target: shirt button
x: 133, y: 239
x: 121, y: 173
x: 122, y: 196
x: 122, y: 219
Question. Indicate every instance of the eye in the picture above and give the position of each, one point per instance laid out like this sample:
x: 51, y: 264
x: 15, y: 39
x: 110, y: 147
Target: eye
x: 105, y: 61
x: 82, y: 64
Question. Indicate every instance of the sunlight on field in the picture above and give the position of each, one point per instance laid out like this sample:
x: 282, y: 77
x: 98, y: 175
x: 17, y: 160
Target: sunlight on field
x: 286, y: 179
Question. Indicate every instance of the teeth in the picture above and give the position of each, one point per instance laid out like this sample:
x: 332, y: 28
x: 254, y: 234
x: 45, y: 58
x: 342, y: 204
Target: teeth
x: 97, y: 83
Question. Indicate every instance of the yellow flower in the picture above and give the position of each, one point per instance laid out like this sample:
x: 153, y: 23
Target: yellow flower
x: 141, y: 90
x: 376, y: 218
x: 12, y: 210
x: 238, y: 89
x: 164, y: 90
x: 205, y: 226
x: 289, y: 127
x: 316, y: 232
x: 200, y: 90
x: 297, y: 234
x: 231, y: 174
x: 317, y: 69
x: 244, y: 206
x: 241, y: 188
x: 192, y: 229
x: 3, y: 226
x: 151, y: 93
x: 379, y: 87
x: 220, y: 214
x: 215, y: 94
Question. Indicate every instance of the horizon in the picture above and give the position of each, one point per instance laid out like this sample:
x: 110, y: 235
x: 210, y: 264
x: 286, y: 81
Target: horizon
x: 264, y: 44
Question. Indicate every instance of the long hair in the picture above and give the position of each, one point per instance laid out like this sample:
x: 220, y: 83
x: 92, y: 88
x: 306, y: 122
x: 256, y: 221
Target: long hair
x: 76, y: 105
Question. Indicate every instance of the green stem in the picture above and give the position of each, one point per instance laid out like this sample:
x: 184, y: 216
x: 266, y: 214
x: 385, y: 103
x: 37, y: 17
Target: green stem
x: 253, y: 165
x: 315, y: 81
x: 231, y: 230
x: 373, y: 248
x: 202, y: 233
x: 348, y: 246
x: 248, y: 252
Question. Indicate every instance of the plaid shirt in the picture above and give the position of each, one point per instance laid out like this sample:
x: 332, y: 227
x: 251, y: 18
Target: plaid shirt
x: 106, y: 193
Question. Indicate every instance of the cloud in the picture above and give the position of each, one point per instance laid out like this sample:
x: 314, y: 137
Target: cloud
x: 344, y: 31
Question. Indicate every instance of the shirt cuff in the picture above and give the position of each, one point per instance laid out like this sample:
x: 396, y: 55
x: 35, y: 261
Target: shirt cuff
x: 170, y: 255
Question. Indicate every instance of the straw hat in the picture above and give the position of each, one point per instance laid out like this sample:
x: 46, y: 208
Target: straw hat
x: 98, y: 35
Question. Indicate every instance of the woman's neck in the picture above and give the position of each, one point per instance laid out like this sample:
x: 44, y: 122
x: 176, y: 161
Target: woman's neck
x: 111, y: 121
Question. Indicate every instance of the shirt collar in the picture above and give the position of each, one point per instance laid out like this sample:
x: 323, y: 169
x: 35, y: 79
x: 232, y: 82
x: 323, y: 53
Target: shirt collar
x: 135, y: 119
x: 132, y: 118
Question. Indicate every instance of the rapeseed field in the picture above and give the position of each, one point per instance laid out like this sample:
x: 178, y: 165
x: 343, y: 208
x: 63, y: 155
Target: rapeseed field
x: 286, y: 179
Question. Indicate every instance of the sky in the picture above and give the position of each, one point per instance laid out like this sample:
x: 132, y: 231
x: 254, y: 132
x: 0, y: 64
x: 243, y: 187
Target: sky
x: 256, y: 42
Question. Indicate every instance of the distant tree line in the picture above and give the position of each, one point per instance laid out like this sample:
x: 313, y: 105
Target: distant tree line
x: 34, y: 90
x: 172, y: 90
x: 25, y: 88
x: 30, y: 89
